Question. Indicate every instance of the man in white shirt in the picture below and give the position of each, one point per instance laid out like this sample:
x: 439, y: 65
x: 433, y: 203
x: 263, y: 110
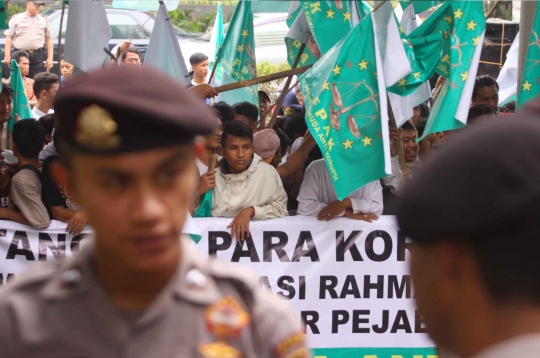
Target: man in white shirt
x: 318, y: 197
x: 473, y: 218
x: 46, y: 86
x: 199, y: 65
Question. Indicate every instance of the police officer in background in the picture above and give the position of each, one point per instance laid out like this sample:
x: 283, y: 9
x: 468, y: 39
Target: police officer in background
x: 126, y: 136
x: 29, y: 31
x: 473, y: 215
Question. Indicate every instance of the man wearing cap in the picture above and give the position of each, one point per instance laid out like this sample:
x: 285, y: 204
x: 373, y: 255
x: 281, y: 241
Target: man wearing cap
x: 264, y: 102
x: 199, y: 66
x: 473, y: 215
x: 29, y: 31
x: 137, y: 289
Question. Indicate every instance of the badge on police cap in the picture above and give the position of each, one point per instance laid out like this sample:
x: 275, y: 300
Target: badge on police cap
x: 96, y: 129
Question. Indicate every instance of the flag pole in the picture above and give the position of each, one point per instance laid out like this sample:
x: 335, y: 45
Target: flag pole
x: 493, y: 8
x: 262, y: 79
x: 398, y: 144
x: 60, y: 52
x: 378, y: 6
x: 287, y: 86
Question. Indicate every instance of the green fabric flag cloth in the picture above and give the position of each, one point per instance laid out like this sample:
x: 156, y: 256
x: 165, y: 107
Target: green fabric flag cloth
x: 237, y: 56
x: 329, y: 21
x: 530, y: 81
x: 205, y: 207
x: 459, y: 66
x: 3, y: 16
x: 420, y: 5
x: 299, y: 34
x: 346, y: 110
x: 428, y: 49
x: 21, y: 107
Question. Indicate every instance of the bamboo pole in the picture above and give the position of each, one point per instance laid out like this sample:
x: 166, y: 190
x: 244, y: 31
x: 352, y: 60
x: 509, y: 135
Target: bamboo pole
x: 286, y: 88
x: 490, y: 12
x: 378, y: 6
x: 262, y: 79
x: 399, y: 145
x: 60, y: 52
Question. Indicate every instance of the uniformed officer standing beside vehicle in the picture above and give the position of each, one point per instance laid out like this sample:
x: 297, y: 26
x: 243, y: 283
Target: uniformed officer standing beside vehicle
x: 29, y: 31
x: 126, y: 136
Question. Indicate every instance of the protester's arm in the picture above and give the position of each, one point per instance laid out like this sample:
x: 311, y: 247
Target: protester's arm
x: 61, y: 213
x: 204, y: 90
x: 50, y: 149
x: 395, y: 180
x: 298, y: 157
x: 26, y: 194
x: 7, y: 50
x: 277, y: 207
x: 76, y: 219
x: 308, y: 198
x: 371, y: 200
x: 50, y: 53
x: 16, y: 216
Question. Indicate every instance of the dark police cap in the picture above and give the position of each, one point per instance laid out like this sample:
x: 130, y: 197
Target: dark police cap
x: 126, y: 109
x: 485, y: 185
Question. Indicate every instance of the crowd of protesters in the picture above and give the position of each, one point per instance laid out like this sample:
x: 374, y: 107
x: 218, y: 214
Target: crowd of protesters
x: 252, y: 172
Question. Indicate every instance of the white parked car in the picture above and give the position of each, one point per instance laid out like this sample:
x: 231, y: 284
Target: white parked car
x: 270, y: 32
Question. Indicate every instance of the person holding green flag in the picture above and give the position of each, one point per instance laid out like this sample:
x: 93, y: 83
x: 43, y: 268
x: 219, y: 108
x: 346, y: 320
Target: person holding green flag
x: 21, y: 107
x: 529, y: 87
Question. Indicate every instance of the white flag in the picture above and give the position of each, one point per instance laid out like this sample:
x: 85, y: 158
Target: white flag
x: 394, y: 59
x: 508, y: 77
x: 409, y: 24
x: 87, y: 33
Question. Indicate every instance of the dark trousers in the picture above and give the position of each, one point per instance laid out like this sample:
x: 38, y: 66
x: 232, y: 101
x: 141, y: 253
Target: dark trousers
x: 36, y: 63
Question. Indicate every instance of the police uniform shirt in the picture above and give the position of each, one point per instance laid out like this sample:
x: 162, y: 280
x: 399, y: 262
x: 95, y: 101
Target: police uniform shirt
x: 60, y: 309
x: 28, y: 33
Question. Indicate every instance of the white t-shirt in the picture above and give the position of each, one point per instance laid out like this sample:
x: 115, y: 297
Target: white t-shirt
x: 38, y: 114
x: 203, y: 168
x: 9, y: 158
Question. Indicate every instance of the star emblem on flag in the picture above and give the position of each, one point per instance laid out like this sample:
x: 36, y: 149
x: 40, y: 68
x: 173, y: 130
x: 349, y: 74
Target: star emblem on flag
x: 527, y: 86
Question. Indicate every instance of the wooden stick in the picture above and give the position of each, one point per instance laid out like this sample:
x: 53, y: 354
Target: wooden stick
x: 490, y: 12
x: 398, y: 144
x: 60, y: 40
x: 378, y: 6
x: 262, y: 79
x: 287, y: 86
x: 140, y: 28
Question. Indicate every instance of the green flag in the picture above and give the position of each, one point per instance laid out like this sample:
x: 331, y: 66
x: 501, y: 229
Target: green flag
x: 237, y: 56
x: 329, y: 21
x: 3, y: 16
x: 21, y: 108
x: 420, y: 5
x: 346, y: 110
x: 299, y: 34
x: 530, y: 80
x: 428, y: 48
x: 463, y: 52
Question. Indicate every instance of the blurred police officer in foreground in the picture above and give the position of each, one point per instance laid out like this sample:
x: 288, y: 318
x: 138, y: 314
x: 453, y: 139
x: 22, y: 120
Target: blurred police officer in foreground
x: 29, y: 31
x: 473, y: 215
x: 126, y: 136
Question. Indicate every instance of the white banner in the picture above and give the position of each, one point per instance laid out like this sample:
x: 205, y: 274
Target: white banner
x: 347, y: 279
